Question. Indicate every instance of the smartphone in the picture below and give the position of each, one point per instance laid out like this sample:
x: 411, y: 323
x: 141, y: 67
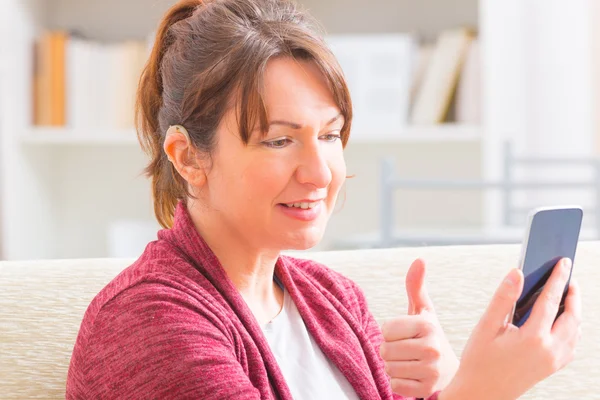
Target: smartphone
x: 552, y: 234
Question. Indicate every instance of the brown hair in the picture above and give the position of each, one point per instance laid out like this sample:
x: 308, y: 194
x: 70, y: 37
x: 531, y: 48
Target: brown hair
x: 204, y: 53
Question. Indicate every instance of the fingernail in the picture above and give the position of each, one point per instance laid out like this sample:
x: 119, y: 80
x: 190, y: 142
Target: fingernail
x: 566, y: 263
x: 511, y: 278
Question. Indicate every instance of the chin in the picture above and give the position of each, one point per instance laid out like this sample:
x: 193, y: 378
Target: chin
x: 304, y: 240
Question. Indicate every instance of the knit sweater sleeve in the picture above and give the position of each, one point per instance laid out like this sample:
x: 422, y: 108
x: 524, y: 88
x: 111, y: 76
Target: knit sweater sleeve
x: 152, y: 342
x: 373, y: 331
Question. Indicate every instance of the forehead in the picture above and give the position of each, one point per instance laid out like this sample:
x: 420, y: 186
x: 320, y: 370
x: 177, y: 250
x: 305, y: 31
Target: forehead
x: 298, y: 89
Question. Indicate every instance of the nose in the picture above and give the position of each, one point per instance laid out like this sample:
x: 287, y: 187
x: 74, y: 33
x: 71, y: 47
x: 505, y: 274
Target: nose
x: 314, y: 168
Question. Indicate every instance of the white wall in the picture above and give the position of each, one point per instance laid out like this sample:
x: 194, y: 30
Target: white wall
x: 539, y: 83
x: 560, y: 77
x: 24, y: 174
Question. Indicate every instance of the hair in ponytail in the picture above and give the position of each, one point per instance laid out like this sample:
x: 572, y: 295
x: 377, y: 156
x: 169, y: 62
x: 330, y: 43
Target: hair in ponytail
x: 167, y: 185
x: 207, y: 53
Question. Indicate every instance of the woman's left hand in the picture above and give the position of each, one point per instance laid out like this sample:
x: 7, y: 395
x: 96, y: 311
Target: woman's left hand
x: 417, y: 355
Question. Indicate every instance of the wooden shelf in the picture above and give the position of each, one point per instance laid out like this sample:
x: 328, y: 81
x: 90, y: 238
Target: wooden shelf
x: 75, y: 137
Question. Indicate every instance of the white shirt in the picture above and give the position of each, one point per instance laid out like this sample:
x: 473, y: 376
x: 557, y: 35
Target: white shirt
x: 307, y: 371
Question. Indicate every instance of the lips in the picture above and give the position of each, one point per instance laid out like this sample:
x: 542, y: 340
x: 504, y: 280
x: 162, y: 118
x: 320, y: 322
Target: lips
x: 303, y: 211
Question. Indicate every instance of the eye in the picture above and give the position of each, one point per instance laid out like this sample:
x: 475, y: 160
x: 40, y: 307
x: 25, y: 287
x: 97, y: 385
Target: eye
x: 331, y: 137
x: 277, y: 143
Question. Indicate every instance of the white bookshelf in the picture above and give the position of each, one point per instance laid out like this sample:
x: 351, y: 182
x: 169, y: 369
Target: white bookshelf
x: 61, y: 189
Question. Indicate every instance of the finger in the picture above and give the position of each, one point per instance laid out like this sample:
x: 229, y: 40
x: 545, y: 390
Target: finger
x: 546, y: 306
x: 418, y: 297
x: 414, y: 370
x: 567, y: 324
x: 407, y: 327
x: 502, y: 303
x: 408, y: 388
x: 421, y: 349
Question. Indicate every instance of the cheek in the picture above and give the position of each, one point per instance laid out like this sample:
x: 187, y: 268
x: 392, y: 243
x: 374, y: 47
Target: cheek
x: 264, y: 179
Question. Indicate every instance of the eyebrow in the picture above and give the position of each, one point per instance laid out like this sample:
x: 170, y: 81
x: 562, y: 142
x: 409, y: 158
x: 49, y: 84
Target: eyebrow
x: 294, y: 125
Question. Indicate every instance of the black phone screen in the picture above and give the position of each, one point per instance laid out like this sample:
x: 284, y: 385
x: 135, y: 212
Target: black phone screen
x: 553, y: 235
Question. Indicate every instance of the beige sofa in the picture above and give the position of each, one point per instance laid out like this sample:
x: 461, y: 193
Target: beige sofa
x: 42, y: 303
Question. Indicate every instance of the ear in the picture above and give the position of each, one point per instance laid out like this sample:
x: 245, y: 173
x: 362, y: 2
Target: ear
x: 182, y: 154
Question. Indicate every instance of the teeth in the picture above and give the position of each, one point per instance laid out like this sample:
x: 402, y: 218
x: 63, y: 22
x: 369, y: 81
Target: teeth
x: 303, y: 206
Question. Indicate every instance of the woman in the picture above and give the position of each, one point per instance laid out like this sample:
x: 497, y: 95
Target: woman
x: 245, y: 114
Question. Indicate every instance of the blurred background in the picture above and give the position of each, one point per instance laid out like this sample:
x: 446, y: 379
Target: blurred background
x: 469, y: 113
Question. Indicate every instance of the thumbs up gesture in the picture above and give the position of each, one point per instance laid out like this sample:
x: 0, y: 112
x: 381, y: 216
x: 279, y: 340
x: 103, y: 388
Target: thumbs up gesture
x: 418, y: 357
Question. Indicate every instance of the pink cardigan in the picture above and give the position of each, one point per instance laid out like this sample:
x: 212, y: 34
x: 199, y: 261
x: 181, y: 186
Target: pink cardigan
x: 172, y: 325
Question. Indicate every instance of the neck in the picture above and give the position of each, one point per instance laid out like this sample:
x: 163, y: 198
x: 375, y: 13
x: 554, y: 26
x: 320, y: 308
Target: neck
x: 250, y: 269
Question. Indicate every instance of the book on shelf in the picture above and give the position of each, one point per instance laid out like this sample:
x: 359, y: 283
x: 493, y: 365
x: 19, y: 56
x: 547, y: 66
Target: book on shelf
x: 468, y: 91
x: 421, y: 61
x: 436, y: 91
x: 49, y: 79
x: 80, y: 83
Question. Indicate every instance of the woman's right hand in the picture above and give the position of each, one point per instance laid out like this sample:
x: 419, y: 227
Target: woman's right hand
x: 501, y: 361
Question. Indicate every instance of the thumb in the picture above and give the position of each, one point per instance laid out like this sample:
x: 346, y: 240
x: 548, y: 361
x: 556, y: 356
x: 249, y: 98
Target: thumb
x: 502, y: 302
x: 418, y: 298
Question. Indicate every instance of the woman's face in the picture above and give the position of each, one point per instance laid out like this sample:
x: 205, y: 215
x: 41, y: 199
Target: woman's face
x: 278, y: 191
